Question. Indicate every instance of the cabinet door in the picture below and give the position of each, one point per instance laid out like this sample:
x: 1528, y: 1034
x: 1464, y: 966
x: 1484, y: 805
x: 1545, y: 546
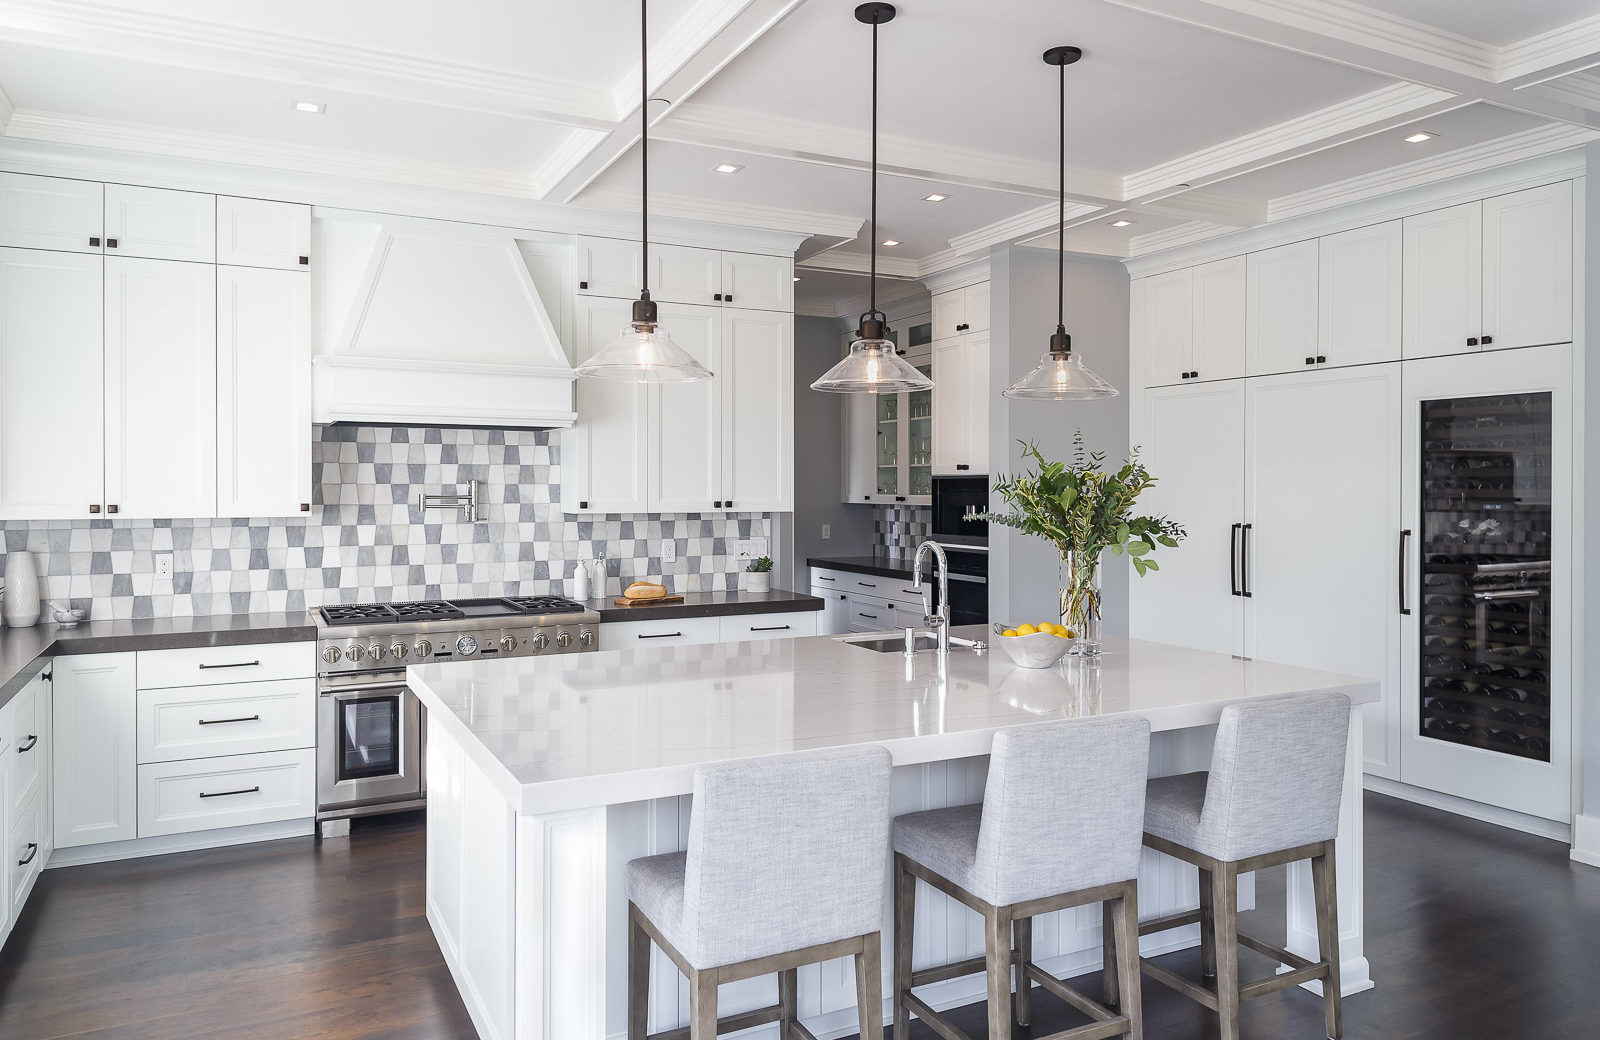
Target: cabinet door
x: 834, y: 616
x: 51, y: 385
x: 1442, y: 257
x: 161, y: 224
x: 604, y: 467
x: 263, y: 392
x: 1219, y: 320
x: 609, y: 267
x: 1359, y: 308
x: 1527, y: 267
x: 161, y: 388
x: 683, y: 274
x: 949, y: 314
x: 1281, y: 327
x: 1193, y: 438
x: 757, y: 386
x: 51, y: 213
x: 1325, y: 528
x: 754, y: 282
x: 975, y: 307
x: 26, y: 743
x: 257, y: 233
x: 686, y: 419
x: 949, y: 406
x: 1169, y: 321
x: 94, y: 771
x: 975, y: 413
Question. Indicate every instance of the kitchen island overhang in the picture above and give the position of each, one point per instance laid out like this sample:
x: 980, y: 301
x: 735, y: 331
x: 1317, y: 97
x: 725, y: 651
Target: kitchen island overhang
x: 547, y: 775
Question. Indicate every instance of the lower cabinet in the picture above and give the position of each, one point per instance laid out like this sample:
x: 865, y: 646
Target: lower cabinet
x: 24, y: 796
x: 638, y: 635
x: 95, y: 754
x: 768, y: 626
x: 866, y: 602
x: 232, y: 791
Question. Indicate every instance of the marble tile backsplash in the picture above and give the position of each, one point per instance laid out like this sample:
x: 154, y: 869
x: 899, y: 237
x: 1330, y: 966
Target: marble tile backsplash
x: 365, y: 539
x: 897, y: 530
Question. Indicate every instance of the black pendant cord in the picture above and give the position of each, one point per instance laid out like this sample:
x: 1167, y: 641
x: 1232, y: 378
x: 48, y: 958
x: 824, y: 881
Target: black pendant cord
x: 1061, y: 229
x: 644, y: 148
x: 872, y: 287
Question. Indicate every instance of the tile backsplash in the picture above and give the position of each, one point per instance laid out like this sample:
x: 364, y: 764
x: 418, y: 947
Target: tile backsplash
x: 365, y: 539
x: 897, y: 530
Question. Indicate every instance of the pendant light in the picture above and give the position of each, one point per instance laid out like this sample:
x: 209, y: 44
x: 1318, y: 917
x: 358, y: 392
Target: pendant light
x: 644, y: 351
x: 1061, y: 375
x: 873, y: 365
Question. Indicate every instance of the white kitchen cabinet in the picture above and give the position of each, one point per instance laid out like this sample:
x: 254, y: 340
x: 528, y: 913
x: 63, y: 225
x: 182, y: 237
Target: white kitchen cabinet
x: 686, y: 440
x: 1443, y: 281
x: 51, y: 213
x: 259, y: 233
x: 685, y: 274
x: 605, y: 455
x: 744, y: 627
x: 756, y: 383
x: 242, y: 718
x: 264, y: 427
x: 1281, y: 326
x: 961, y: 405
x: 160, y: 224
x: 160, y: 388
x: 1527, y: 267
x: 1195, y: 322
x: 26, y: 851
x: 94, y: 771
x: 960, y: 311
x: 833, y: 618
x: 1359, y: 303
x: 180, y: 797
x: 640, y: 635
x: 888, y: 438
x: 752, y: 281
x: 209, y: 665
x: 27, y: 744
x: 868, y: 614
x: 1169, y: 325
x: 608, y: 267
x: 51, y: 382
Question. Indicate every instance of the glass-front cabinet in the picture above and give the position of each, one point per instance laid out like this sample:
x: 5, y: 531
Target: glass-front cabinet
x: 889, y: 438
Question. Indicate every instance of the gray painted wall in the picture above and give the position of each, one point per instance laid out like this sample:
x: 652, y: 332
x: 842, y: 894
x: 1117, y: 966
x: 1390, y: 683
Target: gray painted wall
x: 1023, y: 583
x: 1588, y: 405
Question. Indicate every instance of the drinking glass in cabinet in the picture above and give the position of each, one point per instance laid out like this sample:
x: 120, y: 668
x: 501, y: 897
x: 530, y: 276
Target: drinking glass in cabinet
x: 888, y: 480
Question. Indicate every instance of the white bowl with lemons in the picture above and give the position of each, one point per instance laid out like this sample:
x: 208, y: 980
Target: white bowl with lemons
x: 1035, y: 646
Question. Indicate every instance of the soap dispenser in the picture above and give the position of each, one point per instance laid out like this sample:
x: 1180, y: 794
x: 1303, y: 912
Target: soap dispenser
x: 580, y: 582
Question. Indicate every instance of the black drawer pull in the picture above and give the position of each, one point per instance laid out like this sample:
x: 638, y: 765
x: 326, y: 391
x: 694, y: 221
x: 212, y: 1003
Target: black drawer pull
x: 769, y: 628
x: 218, y: 722
x: 867, y: 584
x: 824, y: 577
x: 225, y: 794
x: 236, y: 664
x: 962, y: 466
x: 33, y: 741
x: 659, y: 635
x: 869, y: 617
x: 33, y: 850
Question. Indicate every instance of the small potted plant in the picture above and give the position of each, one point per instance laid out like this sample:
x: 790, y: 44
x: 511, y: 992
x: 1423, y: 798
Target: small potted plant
x: 758, y: 575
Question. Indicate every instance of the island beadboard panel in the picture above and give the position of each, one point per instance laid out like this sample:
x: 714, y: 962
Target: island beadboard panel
x: 365, y: 539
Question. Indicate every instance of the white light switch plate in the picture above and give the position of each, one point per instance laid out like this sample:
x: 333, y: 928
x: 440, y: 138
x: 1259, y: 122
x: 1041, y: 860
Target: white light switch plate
x: 827, y: 531
x: 751, y: 547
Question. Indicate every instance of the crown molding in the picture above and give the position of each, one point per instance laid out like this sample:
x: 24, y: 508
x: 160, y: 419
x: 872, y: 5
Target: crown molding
x: 860, y: 263
x: 674, y: 48
x: 7, y: 110
x: 1576, y: 88
x: 1175, y: 237
x: 1313, y: 131
x: 815, y: 309
x: 970, y: 273
x: 1537, y: 55
x: 1208, y: 204
x: 737, y: 214
x: 574, y: 149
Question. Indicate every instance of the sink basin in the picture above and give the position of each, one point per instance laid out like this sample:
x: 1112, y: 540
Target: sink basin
x: 894, y: 644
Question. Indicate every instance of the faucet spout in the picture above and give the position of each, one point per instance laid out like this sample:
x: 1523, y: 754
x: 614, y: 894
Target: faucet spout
x: 937, y: 619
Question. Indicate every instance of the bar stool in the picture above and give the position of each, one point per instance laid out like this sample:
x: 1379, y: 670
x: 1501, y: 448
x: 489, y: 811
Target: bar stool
x: 1272, y: 797
x: 784, y: 868
x: 1058, y: 827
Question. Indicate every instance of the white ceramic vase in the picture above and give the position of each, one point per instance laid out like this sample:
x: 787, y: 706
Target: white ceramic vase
x: 22, y: 590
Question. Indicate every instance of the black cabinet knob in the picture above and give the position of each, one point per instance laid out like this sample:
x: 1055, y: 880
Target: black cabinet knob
x: 1472, y: 341
x: 727, y: 297
x: 1311, y: 360
x: 94, y: 509
x: 583, y: 285
x: 716, y: 296
x: 111, y: 243
x: 94, y: 242
x: 1488, y: 340
x: 305, y: 261
x: 111, y: 509
x: 1321, y: 359
x: 583, y: 505
x: 305, y: 507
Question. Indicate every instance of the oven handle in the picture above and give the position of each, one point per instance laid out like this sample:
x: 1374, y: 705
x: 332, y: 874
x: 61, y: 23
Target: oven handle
x: 329, y: 691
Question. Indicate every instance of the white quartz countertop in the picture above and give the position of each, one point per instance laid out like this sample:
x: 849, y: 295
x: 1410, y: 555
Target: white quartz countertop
x: 583, y: 730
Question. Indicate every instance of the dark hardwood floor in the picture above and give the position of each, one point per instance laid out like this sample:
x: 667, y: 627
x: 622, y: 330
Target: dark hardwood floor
x: 1472, y: 931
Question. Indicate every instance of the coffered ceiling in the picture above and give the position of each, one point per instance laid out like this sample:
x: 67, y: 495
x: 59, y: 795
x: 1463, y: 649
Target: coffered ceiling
x: 1187, y: 117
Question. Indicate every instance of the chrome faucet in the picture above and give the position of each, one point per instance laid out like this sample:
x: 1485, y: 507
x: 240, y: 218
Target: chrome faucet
x: 938, y: 620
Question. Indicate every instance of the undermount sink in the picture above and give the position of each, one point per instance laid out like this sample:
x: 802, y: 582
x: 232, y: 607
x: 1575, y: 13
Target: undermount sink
x: 894, y: 644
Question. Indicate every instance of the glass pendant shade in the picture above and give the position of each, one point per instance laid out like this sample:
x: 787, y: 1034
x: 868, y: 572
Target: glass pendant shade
x: 644, y: 352
x: 873, y: 366
x: 1060, y: 375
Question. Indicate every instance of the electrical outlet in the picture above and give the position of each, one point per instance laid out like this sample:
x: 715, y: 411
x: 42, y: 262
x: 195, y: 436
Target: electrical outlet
x: 669, y: 551
x: 164, y: 566
x: 827, y: 531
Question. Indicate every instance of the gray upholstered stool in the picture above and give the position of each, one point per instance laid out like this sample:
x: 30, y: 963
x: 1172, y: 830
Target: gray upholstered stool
x: 784, y: 868
x: 1272, y: 797
x: 1059, y: 827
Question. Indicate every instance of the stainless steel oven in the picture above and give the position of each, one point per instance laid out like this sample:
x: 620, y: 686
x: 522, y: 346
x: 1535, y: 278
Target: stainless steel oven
x: 369, y: 744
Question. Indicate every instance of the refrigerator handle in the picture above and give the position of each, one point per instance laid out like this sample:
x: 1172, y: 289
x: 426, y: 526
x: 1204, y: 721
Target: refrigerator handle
x: 1405, y: 538
x: 1233, y: 561
x: 1244, y: 560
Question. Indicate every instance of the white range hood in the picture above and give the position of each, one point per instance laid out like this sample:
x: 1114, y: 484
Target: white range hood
x: 434, y: 326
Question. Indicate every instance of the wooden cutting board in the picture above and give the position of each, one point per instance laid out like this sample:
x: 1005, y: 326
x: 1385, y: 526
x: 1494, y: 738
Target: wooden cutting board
x: 623, y: 601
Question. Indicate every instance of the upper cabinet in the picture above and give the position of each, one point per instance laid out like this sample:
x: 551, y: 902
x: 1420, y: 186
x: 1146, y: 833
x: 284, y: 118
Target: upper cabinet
x: 1195, y: 321
x: 51, y: 213
x: 257, y: 233
x: 1281, y: 327
x: 161, y: 224
x: 603, y: 454
x: 961, y: 405
x: 1490, y: 274
x: 686, y: 274
x: 960, y: 311
x: 751, y: 281
x: 756, y: 381
x: 1358, y: 312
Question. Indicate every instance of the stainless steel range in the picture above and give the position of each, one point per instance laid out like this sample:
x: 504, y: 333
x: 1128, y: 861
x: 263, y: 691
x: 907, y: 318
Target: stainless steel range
x: 369, y: 725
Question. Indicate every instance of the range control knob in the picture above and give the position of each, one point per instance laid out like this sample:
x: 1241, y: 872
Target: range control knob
x: 376, y: 651
x: 399, y: 651
x: 508, y: 644
x: 586, y: 637
x: 540, y: 642
x: 466, y: 646
x: 564, y: 640
x: 424, y: 648
x: 354, y: 653
x: 331, y: 654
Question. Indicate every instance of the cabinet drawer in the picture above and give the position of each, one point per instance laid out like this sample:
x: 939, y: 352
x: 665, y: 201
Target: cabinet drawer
x: 209, y: 665
x: 641, y: 635
x: 178, y: 797
x: 24, y: 743
x: 24, y: 854
x: 869, y: 614
x: 243, y: 718
x: 830, y: 580
x: 769, y: 626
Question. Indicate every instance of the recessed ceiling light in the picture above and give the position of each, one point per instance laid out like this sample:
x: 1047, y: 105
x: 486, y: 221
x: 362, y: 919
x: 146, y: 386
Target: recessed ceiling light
x: 1419, y: 137
x: 727, y: 167
x: 1122, y: 223
x: 935, y: 197
x: 315, y: 108
x: 891, y: 241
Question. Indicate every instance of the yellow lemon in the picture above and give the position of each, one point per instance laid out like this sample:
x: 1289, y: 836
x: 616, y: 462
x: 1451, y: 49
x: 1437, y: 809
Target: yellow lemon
x: 1026, y: 630
x: 1066, y: 633
x: 1009, y: 632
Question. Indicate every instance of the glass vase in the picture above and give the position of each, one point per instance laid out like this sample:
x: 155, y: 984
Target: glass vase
x: 1080, y: 601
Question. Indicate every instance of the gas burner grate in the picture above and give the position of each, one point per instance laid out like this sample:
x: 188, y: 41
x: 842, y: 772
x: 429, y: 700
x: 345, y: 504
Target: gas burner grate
x: 545, y: 605
x: 428, y: 610
x: 346, y: 613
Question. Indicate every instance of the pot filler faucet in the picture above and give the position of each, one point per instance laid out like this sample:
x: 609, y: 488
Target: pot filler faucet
x: 939, y: 622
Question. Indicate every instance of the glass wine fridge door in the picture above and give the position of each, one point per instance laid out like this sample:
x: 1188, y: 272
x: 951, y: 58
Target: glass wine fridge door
x: 1485, y: 580
x: 369, y: 737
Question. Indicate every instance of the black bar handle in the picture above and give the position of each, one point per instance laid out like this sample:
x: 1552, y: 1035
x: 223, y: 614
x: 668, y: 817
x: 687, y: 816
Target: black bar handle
x: 218, y: 722
x: 1233, y: 560
x: 769, y: 628
x: 225, y: 794
x: 33, y: 741
x: 236, y: 664
x: 1405, y: 537
x: 659, y: 635
x: 1244, y: 560
x: 33, y: 850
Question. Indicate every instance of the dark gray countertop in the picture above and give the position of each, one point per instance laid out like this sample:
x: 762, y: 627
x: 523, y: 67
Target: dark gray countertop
x: 715, y: 604
x: 882, y: 566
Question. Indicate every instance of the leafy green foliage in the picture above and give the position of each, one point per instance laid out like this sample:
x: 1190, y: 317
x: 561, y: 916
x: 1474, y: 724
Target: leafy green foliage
x: 760, y: 564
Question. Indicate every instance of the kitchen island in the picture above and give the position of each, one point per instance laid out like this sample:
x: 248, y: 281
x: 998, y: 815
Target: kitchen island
x: 547, y: 775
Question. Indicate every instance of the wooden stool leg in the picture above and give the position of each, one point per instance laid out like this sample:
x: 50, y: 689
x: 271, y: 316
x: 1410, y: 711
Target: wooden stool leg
x: 1110, y: 991
x: 997, y: 956
x: 703, y: 1005
x: 905, y: 919
x: 638, y: 976
x: 1127, y: 929
x: 869, y: 987
x: 1022, y: 928
x: 788, y: 1002
x: 1326, y: 890
x: 1225, y: 904
x: 1208, y: 928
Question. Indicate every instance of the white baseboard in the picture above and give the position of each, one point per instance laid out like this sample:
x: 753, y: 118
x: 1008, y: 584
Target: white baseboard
x: 1516, y: 821
x: 1586, y: 840
x: 170, y: 843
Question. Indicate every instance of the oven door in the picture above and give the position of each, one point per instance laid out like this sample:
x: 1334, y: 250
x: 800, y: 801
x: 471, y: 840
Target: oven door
x: 369, y: 740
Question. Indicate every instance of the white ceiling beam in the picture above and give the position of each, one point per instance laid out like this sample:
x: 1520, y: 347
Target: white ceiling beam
x: 1209, y: 204
x: 860, y: 263
x: 736, y: 214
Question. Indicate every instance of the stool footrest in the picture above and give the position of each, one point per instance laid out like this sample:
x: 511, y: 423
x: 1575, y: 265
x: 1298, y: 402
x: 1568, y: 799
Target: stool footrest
x: 934, y: 1020
x: 1162, y: 924
x: 743, y: 1020
x: 1195, y: 992
x: 1277, y: 953
x: 1071, y: 996
x: 1284, y: 981
x: 956, y: 970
